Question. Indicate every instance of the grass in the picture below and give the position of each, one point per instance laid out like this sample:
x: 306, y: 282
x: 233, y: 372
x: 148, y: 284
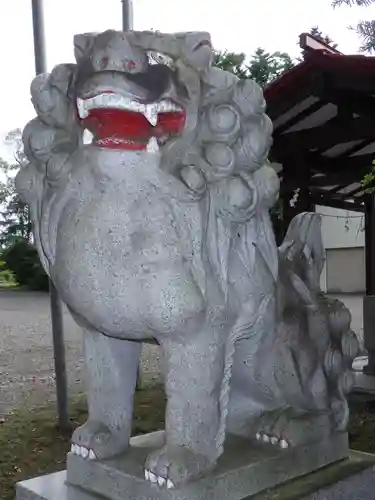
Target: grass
x: 31, y: 443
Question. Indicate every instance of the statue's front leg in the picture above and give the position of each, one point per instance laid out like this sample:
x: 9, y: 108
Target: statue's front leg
x: 194, y: 370
x: 112, y: 367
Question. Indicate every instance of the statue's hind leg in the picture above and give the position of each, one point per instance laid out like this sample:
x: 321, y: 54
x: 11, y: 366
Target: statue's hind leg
x: 111, y: 366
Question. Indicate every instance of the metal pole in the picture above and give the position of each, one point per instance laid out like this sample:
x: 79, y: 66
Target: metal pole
x: 55, y: 303
x: 127, y: 24
x: 127, y: 15
x: 59, y: 358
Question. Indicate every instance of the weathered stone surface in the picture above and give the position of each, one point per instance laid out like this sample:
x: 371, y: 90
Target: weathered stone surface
x: 350, y: 479
x: 159, y: 231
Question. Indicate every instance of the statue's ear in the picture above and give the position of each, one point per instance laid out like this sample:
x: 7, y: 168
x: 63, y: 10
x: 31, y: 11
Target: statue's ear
x: 83, y: 44
x: 198, y: 49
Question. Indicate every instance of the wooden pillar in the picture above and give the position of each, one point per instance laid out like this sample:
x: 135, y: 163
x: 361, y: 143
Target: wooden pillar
x: 369, y: 299
x: 295, y: 177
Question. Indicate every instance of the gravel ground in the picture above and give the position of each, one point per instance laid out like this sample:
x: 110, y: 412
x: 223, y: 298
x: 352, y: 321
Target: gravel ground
x: 26, y: 354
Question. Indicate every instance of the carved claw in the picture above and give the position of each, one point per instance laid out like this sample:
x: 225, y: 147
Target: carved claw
x: 83, y: 452
x: 265, y: 438
x: 160, y: 481
x: 284, y: 444
x: 152, y: 477
x: 169, y: 484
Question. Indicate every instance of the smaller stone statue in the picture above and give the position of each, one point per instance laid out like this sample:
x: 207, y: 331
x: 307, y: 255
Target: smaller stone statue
x: 309, y: 364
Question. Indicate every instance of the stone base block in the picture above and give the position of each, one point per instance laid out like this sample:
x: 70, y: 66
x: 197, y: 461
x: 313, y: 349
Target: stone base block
x: 350, y: 479
x: 246, y: 468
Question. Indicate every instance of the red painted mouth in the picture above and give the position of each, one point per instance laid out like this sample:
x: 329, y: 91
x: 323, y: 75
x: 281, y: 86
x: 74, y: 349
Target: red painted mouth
x: 114, y: 127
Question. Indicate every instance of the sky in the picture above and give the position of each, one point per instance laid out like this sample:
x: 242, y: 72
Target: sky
x: 235, y: 25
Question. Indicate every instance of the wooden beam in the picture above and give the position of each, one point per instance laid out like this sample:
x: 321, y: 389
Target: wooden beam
x: 352, y: 85
x: 310, y: 43
x: 343, y: 180
x: 300, y: 116
x: 335, y: 131
x: 321, y: 199
x: 336, y: 189
x: 355, y: 192
x: 334, y: 179
x: 361, y: 162
x: 358, y: 165
x: 356, y: 101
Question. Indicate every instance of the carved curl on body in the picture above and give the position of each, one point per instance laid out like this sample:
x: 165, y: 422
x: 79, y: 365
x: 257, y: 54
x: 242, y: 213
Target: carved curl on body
x: 159, y: 230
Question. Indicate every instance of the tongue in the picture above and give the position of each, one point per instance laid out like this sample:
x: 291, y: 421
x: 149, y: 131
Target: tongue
x: 123, y: 129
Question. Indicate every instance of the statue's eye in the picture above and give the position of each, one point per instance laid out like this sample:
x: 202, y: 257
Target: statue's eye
x: 159, y: 58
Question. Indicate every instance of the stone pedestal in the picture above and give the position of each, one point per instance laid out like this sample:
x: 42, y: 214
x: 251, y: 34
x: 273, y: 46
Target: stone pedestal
x: 350, y: 479
x: 242, y: 471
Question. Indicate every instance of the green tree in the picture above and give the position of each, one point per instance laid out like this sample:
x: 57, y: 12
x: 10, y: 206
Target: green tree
x: 18, y: 256
x: 317, y: 33
x: 365, y: 29
x: 15, y: 220
x: 263, y: 67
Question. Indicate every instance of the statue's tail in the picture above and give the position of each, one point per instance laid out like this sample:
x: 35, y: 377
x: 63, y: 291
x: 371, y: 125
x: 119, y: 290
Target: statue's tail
x: 240, y: 330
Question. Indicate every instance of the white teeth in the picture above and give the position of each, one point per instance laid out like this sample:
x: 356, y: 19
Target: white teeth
x: 152, y: 145
x: 84, y: 452
x: 87, y: 137
x: 169, y: 484
x: 81, y: 107
x: 161, y: 481
x: 147, y: 475
x: 284, y: 444
x: 117, y: 101
x: 151, y: 113
x: 153, y: 478
x: 92, y: 455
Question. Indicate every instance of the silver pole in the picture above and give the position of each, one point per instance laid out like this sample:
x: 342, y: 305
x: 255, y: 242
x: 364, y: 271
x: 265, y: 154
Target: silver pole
x: 55, y: 303
x: 127, y: 24
x: 127, y: 15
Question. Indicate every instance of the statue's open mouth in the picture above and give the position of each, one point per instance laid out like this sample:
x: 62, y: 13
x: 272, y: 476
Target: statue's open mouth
x: 120, y: 122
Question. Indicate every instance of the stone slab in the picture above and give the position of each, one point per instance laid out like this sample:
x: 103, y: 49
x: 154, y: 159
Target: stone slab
x: 351, y: 479
x: 246, y: 468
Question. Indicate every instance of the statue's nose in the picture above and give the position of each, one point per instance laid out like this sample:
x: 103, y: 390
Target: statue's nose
x: 110, y: 60
x: 113, y: 52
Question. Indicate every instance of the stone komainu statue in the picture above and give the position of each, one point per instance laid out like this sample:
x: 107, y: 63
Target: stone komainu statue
x: 159, y: 230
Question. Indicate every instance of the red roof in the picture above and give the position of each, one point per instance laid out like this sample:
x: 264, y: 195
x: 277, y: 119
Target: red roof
x: 323, y: 61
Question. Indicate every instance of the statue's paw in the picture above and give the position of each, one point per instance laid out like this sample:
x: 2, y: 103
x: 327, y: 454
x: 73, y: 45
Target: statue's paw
x: 266, y: 430
x: 94, y: 441
x: 173, y: 465
x: 288, y: 427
